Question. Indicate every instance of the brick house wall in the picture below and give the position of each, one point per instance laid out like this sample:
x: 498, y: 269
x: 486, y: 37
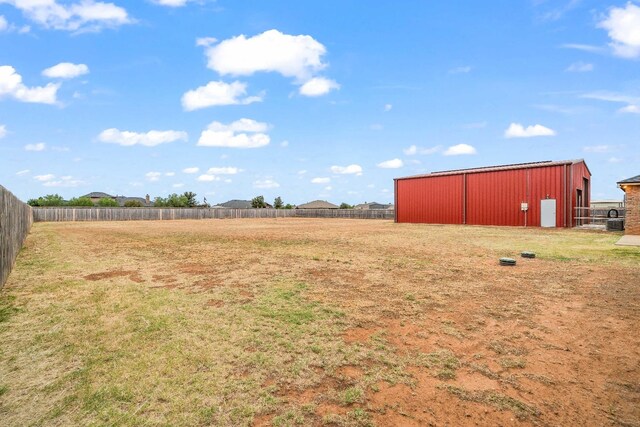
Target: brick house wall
x: 632, y: 216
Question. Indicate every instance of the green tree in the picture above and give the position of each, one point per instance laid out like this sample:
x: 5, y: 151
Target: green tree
x: 191, y: 199
x: 258, y: 202
x: 177, y: 201
x: 107, y: 202
x: 288, y: 206
x: 48, y: 200
x: 133, y: 204
x: 80, y: 201
x: 277, y: 203
x: 345, y: 206
x: 159, y: 202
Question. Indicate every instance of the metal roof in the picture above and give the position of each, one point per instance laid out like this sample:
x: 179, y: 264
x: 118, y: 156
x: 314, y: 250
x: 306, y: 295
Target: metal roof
x: 632, y: 180
x: 529, y: 165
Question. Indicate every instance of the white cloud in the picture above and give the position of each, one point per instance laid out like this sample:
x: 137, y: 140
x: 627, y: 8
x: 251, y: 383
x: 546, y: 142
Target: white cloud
x: 65, y: 70
x: 171, y: 3
x: 208, y: 178
x: 205, y: 41
x: 170, y: 174
x: 328, y: 188
x: 299, y: 56
x: 614, y: 160
x: 191, y: 170
x: 376, y: 126
x: 4, y: 25
x: 265, y: 184
x: 3, y: 131
x: 218, y: 93
x: 347, y: 170
x: 623, y: 26
x: 391, y: 164
x: 153, y: 176
x: 388, y: 107
x: 40, y: 146
x: 516, y: 130
x: 318, y: 86
x: 414, y: 149
x: 86, y: 15
x: 44, y: 178
x: 229, y: 170
x: 611, y: 97
x: 583, y: 47
x: 634, y: 109
x: 284, y: 144
x: 597, y: 149
x: 23, y: 172
x: 64, y: 181
x: 243, y: 133
x: 178, y: 185
x: 11, y: 86
x: 320, y: 180
x: 460, y: 70
x: 302, y: 172
x: 459, y: 150
x: 147, y: 139
x: 579, y: 67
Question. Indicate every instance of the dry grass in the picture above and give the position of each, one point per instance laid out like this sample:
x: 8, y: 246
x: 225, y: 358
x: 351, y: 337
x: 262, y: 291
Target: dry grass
x: 334, y: 322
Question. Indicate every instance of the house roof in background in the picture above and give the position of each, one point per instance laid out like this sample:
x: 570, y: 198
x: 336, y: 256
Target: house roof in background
x: 632, y: 180
x: 98, y: 195
x: 318, y: 204
x: 236, y: 204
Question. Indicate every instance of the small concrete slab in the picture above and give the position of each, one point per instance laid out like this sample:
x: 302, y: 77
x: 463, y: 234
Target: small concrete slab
x: 629, y: 240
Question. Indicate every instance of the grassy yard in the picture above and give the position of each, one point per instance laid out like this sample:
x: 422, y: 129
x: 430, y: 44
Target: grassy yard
x: 319, y: 322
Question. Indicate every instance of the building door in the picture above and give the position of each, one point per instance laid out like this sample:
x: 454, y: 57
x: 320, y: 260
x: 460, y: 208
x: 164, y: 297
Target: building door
x: 579, y: 211
x: 548, y: 213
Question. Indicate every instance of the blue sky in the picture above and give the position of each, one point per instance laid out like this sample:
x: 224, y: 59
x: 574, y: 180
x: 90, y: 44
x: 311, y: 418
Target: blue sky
x: 310, y: 100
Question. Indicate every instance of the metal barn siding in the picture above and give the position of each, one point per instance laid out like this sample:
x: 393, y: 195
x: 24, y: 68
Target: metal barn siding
x: 580, y: 189
x: 493, y: 196
x: 437, y: 200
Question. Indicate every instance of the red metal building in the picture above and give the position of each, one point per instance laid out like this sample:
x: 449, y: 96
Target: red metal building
x: 527, y: 194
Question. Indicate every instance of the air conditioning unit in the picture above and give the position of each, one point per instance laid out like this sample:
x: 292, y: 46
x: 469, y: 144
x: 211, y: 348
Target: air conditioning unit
x: 615, y: 224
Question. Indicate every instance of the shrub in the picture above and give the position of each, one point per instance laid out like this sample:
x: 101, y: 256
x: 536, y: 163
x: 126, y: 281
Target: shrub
x: 133, y: 204
x: 107, y: 202
x: 80, y: 201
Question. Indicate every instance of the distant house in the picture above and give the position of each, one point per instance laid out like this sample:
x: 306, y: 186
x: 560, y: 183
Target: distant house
x: 317, y: 204
x: 239, y: 204
x: 372, y: 205
x: 97, y: 195
x: 236, y: 204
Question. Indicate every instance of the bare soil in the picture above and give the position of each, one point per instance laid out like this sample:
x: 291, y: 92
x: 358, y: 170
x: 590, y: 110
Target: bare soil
x: 319, y: 322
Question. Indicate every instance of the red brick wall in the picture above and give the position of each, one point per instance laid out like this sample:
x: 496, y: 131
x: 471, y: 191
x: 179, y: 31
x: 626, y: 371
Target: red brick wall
x: 632, y: 217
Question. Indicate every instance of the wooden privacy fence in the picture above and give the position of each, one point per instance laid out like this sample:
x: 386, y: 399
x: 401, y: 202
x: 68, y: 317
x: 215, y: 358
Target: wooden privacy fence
x: 137, y: 214
x: 15, y: 222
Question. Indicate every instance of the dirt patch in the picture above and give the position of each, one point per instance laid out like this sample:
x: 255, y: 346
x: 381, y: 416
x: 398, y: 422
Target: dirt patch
x: 134, y: 276
x: 350, y: 372
x: 215, y: 303
x: 358, y: 335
